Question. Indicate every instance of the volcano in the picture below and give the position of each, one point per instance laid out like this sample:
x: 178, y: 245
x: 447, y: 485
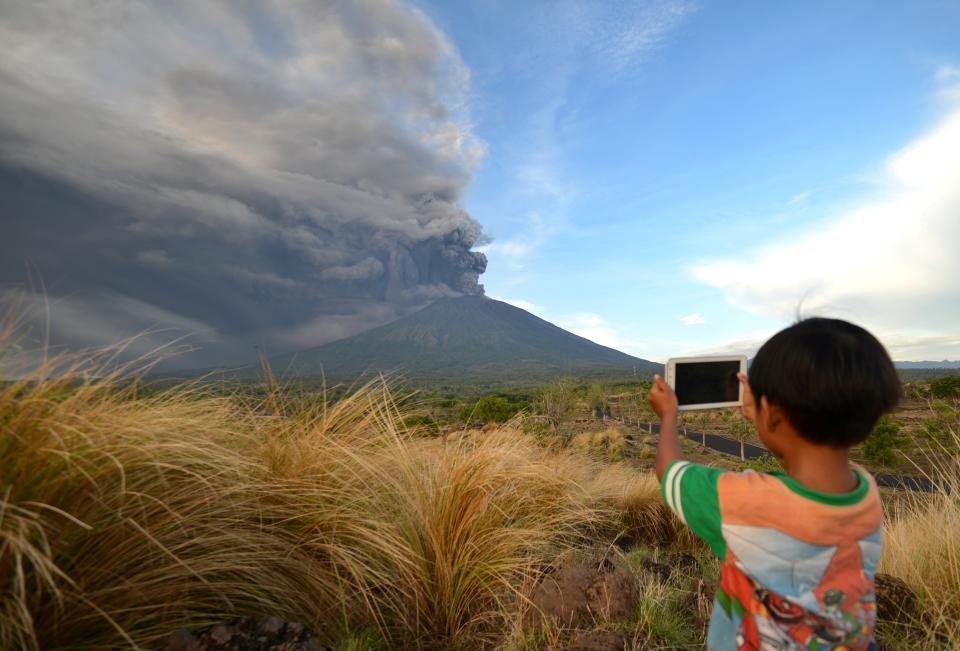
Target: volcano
x: 465, y: 339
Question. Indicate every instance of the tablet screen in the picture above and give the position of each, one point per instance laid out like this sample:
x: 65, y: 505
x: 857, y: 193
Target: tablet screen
x: 707, y: 382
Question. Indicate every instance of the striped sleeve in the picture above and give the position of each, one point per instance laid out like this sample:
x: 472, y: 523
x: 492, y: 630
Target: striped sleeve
x: 690, y: 491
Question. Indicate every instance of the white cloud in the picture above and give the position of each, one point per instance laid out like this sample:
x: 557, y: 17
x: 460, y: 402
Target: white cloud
x: 891, y: 263
x: 693, y: 319
x: 516, y: 249
x: 592, y: 326
x: 597, y: 329
x: 620, y: 35
x: 799, y: 198
x: 947, y: 75
x: 947, y: 79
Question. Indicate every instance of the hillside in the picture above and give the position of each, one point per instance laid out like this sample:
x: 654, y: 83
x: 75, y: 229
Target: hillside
x: 468, y: 338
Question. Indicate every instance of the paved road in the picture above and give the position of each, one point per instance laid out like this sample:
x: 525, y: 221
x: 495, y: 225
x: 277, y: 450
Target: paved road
x: 750, y: 451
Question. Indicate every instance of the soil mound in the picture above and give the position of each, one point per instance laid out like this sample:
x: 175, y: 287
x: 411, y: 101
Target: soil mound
x: 580, y: 596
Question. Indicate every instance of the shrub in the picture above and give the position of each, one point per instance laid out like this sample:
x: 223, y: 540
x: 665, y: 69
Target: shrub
x: 764, y: 463
x: 883, y: 440
x: 556, y: 400
x: 493, y: 409
x: 607, y: 444
x: 597, y: 400
x: 946, y: 387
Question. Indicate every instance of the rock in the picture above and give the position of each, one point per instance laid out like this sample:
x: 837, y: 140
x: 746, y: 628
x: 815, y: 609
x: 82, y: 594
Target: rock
x: 660, y: 571
x: 271, y: 625
x: 597, y: 641
x: 896, y: 602
x: 625, y: 542
x: 579, y: 596
x: 220, y: 634
x: 682, y: 561
x: 183, y: 640
x: 247, y: 634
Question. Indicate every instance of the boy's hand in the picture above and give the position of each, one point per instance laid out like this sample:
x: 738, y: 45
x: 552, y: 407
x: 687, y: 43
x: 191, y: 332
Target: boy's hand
x: 749, y: 407
x: 662, y: 398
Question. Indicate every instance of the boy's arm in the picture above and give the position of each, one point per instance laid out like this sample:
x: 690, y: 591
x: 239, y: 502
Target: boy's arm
x: 689, y: 490
x: 664, y: 403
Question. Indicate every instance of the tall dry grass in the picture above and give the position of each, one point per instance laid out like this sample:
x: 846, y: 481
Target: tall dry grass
x: 126, y: 514
x: 921, y: 544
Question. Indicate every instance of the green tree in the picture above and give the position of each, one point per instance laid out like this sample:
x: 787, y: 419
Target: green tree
x: 597, y: 400
x: 882, y: 441
x: 946, y: 387
x: 740, y: 429
x: 494, y: 409
x: 699, y: 420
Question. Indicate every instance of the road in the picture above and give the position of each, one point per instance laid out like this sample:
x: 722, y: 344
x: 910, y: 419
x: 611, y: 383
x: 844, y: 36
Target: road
x: 732, y: 447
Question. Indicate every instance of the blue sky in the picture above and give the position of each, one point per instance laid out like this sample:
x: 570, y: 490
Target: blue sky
x: 643, y: 158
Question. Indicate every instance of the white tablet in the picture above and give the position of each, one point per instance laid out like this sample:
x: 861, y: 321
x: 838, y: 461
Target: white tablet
x: 706, y: 382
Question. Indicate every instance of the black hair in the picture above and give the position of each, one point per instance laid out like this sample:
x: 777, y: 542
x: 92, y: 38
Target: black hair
x: 832, y: 379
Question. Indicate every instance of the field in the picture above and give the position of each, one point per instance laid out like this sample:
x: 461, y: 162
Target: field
x: 379, y: 520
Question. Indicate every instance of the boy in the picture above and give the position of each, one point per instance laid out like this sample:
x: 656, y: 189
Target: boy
x: 797, y: 549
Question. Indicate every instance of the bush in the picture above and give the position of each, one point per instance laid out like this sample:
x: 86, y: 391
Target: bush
x: 764, y: 463
x: 556, y: 400
x: 882, y: 441
x: 606, y: 445
x: 946, y: 387
x: 493, y: 408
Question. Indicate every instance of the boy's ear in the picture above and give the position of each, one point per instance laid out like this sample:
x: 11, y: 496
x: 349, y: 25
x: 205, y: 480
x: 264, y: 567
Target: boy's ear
x: 772, y: 413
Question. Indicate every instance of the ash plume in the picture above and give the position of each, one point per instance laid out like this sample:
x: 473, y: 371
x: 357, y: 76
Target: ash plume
x: 281, y: 174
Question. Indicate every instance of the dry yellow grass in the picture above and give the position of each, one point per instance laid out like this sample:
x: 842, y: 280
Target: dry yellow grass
x: 607, y: 445
x: 921, y: 545
x: 126, y: 514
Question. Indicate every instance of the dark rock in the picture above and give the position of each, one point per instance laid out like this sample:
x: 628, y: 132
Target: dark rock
x: 626, y: 543
x: 247, y: 634
x: 577, y: 596
x: 183, y: 640
x: 271, y: 625
x: 659, y: 570
x: 682, y: 560
x: 220, y: 634
x: 896, y: 602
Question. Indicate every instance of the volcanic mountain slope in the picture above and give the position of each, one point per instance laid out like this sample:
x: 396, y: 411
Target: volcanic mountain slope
x: 471, y: 338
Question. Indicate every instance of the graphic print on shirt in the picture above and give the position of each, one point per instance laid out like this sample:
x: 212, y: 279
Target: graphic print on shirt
x: 797, y: 566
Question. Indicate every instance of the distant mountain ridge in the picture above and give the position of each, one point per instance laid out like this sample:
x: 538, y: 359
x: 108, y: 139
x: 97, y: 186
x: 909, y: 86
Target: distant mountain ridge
x: 470, y: 338
x: 928, y: 364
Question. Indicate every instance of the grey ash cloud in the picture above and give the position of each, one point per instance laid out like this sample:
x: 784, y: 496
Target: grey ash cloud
x: 273, y: 173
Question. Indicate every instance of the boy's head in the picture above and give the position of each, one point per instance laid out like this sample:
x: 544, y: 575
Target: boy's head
x: 831, y: 379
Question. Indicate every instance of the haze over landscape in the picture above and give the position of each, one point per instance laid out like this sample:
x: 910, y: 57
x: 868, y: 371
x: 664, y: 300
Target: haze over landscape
x: 661, y: 178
